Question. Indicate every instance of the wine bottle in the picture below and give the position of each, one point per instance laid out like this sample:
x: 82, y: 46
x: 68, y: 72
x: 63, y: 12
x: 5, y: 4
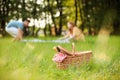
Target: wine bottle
x: 57, y: 49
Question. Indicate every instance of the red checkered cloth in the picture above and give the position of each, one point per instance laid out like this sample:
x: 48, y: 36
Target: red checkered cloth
x: 59, y: 57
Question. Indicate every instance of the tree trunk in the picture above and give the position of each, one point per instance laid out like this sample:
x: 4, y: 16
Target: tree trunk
x: 4, y: 10
x: 45, y: 33
x: 34, y: 16
x: 76, y: 12
x: 53, y: 19
x: 36, y: 34
x: 23, y: 9
x: 59, y: 6
x: 81, y: 13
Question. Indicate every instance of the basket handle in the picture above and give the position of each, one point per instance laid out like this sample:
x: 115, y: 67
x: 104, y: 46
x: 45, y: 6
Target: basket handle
x: 63, y: 50
x: 73, y: 48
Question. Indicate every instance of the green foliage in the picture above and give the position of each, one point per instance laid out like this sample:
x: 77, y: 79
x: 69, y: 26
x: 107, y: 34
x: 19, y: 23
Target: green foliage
x: 33, y: 61
x: 85, y: 13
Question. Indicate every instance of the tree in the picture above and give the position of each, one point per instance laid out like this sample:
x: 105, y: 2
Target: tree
x: 4, y: 11
x: 59, y: 6
x: 85, y: 13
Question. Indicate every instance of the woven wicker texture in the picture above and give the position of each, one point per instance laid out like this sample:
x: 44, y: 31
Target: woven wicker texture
x: 73, y: 58
x: 76, y: 60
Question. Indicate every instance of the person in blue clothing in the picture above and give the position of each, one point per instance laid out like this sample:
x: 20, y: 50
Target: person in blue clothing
x: 15, y: 28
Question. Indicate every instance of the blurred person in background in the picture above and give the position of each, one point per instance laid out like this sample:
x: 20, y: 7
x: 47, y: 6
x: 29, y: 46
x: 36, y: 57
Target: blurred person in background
x: 15, y: 28
x: 74, y: 33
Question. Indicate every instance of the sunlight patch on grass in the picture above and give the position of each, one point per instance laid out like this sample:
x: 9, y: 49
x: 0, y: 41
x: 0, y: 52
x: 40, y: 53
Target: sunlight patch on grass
x: 39, y: 57
x: 102, y: 46
x: 3, y: 61
x: 102, y: 57
x: 28, y: 48
x: 21, y: 74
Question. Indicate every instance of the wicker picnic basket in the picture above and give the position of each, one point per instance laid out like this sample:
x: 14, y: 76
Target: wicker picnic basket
x: 74, y: 58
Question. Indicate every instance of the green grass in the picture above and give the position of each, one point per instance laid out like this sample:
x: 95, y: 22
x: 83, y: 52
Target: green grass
x: 33, y: 61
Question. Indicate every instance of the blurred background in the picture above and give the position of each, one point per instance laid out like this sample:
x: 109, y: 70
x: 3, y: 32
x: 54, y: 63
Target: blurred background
x: 49, y: 17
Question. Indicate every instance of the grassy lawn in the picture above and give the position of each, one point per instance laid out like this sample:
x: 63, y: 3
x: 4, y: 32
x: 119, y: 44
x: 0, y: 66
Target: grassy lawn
x: 33, y: 61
